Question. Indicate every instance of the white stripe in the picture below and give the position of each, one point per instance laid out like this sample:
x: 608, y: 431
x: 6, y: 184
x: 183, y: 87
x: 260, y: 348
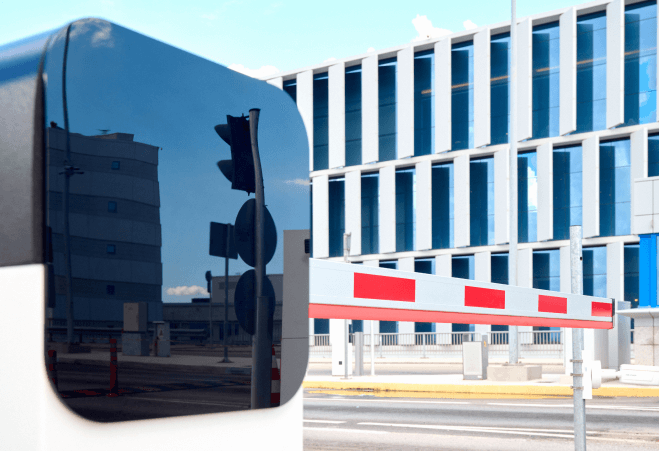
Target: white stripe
x: 464, y: 429
x: 324, y: 421
x: 647, y: 409
x: 385, y: 400
x: 364, y: 431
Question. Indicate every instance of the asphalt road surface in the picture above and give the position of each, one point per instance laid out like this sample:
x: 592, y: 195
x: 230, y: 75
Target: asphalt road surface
x: 335, y: 422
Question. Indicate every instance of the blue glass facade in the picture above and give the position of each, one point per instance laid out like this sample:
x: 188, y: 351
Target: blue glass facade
x: 290, y: 87
x: 320, y: 121
x: 462, y: 96
x: 568, y: 189
x: 546, y: 52
x: 615, y: 188
x: 353, y: 112
x: 653, y: 155
x: 337, y: 219
x: 594, y: 271
x: 442, y: 206
x: 499, y: 88
x: 481, y: 201
x: 527, y: 197
x: 591, y: 72
x: 370, y: 212
x: 387, y: 109
x: 405, y: 210
x: 641, y: 63
x: 424, y: 101
x: 631, y: 274
x: 463, y: 267
x: 547, y: 276
x: 499, y: 268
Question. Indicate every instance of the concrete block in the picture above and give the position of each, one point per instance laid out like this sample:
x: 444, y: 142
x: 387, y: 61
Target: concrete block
x: 644, y: 354
x: 134, y: 343
x: 514, y: 373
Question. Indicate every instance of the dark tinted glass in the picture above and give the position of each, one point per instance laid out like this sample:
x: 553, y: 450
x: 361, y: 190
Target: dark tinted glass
x: 137, y: 171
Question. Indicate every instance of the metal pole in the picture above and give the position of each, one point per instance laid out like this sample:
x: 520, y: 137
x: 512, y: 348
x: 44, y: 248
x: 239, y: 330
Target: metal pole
x: 262, y: 340
x: 346, y: 326
x: 576, y: 272
x: 513, y: 342
x: 225, y: 336
x: 372, y: 348
x: 210, y: 313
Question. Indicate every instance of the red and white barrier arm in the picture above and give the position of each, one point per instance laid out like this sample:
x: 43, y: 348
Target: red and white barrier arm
x: 347, y: 291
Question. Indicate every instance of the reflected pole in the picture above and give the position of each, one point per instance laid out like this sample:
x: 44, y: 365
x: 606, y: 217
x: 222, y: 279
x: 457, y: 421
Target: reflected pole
x: 225, y: 336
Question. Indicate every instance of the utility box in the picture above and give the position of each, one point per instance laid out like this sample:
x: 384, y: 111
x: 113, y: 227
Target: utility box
x: 161, y: 339
x: 135, y: 316
x: 475, y: 359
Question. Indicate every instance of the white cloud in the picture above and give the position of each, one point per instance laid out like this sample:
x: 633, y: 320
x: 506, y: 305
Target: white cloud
x: 469, y: 25
x: 186, y: 291
x: 370, y: 49
x: 329, y: 60
x: 424, y: 27
x: 302, y: 182
x: 262, y: 72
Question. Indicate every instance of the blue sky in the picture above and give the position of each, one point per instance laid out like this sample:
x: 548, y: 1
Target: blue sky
x: 285, y: 34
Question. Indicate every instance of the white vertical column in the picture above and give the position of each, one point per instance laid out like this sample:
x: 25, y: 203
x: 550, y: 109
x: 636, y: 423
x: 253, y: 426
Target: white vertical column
x: 524, y: 79
x: 566, y: 287
x: 545, y: 174
x: 405, y: 102
x: 443, y: 95
x: 311, y: 331
x: 615, y: 289
x: 387, y: 214
x: 568, y: 72
x: 615, y: 63
x: 337, y: 115
x: 501, y: 196
x: 591, y: 187
x: 277, y: 82
x: 461, y: 201
x: 525, y: 280
x: 370, y: 110
x: 482, y: 88
x: 444, y: 268
x: 320, y: 216
x: 423, y: 206
x: 376, y: 324
x: 406, y: 327
x: 353, y: 197
x: 639, y: 165
x: 337, y: 341
x: 483, y: 273
x: 304, y: 96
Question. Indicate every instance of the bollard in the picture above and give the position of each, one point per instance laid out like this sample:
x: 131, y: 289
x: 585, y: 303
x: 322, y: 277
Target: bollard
x: 359, y: 353
x: 275, y: 384
x: 52, y: 368
x: 114, y: 381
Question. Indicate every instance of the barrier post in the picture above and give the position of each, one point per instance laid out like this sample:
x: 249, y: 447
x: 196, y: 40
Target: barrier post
x: 114, y: 382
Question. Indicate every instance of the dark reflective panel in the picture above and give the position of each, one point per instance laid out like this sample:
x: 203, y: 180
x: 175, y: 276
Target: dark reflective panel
x: 132, y: 188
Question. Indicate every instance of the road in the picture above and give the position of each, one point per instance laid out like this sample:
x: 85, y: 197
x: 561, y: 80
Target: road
x: 334, y: 422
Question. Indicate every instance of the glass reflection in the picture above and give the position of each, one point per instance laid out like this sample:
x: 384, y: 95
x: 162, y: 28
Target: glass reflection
x: 134, y: 140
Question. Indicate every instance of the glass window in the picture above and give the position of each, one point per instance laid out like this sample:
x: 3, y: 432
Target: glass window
x: 527, y: 197
x: 320, y: 326
x: 370, y: 212
x: 463, y: 267
x: 320, y: 121
x: 337, y: 208
x: 462, y: 96
x: 499, y: 268
x: 389, y: 327
x: 424, y: 102
x: 615, y: 192
x: 547, y: 270
x: 112, y: 207
x: 290, y: 88
x: 567, y: 190
x: 116, y: 165
x: 653, y: 155
x: 481, y: 201
x: 442, y: 206
x: 594, y: 271
x: 641, y: 63
x: 591, y: 72
x: 109, y: 289
x: 387, y: 109
x: 353, y: 87
x: 632, y: 276
x: 499, y: 88
x: 405, y: 210
x: 111, y: 249
x: 546, y: 91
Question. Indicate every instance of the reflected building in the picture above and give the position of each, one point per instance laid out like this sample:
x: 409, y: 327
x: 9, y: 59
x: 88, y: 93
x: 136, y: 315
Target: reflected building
x: 115, y: 230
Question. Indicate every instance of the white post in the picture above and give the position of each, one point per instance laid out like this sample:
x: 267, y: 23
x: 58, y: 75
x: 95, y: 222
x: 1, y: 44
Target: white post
x: 513, y: 346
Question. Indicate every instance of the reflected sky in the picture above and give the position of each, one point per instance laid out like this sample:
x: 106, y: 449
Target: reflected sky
x: 121, y: 82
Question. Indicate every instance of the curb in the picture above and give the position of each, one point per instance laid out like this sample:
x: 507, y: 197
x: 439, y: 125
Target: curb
x: 466, y: 390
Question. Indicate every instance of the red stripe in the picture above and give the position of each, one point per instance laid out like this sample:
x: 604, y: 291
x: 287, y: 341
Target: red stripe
x: 368, y: 286
x: 602, y: 309
x: 485, y: 297
x: 552, y: 304
x: 390, y: 314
